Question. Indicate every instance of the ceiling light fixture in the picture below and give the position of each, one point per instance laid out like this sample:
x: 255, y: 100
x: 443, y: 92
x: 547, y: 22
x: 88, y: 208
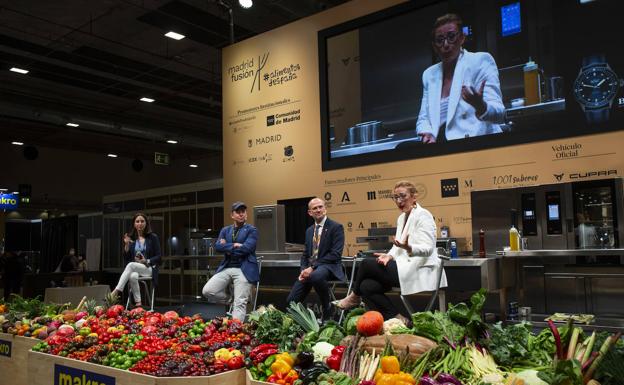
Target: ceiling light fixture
x: 15, y: 192
x: 175, y: 35
x: 171, y: 141
x: 73, y: 124
x: 19, y: 70
x: 18, y: 143
x: 192, y: 165
x: 147, y: 100
x: 245, y: 3
x: 4, y: 189
x: 112, y: 155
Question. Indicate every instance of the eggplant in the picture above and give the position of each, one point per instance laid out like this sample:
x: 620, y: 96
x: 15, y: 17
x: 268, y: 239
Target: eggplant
x: 446, y: 378
x: 305, y: 359
x: 311, y: 374
x: 426, y: 380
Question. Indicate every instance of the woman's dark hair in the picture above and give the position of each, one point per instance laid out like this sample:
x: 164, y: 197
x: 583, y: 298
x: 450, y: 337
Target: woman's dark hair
x: 447, y: 19
x: 148, y: 229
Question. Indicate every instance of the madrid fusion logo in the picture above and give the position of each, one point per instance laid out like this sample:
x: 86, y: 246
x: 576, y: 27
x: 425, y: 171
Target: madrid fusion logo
x: 449, y: 187
x: 327, y: 196
x: 248, y: 68
x: 261, y: 64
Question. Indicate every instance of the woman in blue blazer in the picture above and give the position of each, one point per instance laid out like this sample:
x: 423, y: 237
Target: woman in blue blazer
x: 142, y: 252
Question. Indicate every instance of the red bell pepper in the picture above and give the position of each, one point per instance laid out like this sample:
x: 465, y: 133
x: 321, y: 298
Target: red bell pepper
x: 334, y: 362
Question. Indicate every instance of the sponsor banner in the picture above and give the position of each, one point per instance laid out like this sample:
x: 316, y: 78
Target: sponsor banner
x: 271, y: 130
x: 5, y: 348
x: 64, y: 375
x: 8, y: 201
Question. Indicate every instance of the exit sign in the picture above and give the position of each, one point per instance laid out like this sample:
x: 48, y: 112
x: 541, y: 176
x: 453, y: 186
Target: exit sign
x: 161, y: 158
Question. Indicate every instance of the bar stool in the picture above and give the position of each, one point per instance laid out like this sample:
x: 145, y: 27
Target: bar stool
x: 350, y: 276
x: 147, y: 283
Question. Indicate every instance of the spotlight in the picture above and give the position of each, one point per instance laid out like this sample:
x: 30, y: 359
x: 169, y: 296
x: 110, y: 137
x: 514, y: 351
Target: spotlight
x: 245, y: 3
x: 175, y: 35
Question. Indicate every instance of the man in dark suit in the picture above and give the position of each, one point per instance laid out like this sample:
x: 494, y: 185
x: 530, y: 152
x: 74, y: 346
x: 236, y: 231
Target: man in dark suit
x: 239, y: 268
x: 322, y: 259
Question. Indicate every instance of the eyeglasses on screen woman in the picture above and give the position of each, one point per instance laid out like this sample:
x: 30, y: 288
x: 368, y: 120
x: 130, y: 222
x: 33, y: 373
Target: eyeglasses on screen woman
x: 450, y: 38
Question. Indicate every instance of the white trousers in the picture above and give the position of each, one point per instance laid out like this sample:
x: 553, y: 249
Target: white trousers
x: 131, y: 273
x: 217, y: 290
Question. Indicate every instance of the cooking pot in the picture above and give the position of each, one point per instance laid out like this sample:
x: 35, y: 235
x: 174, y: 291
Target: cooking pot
x: 365, y: 132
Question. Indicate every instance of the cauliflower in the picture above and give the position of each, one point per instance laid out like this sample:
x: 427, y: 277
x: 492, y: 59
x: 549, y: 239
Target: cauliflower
x: 391, y: 324
x: 322, y: 350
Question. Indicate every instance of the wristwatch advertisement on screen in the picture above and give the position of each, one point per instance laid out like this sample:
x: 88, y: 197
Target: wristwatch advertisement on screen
x: 595, y: 88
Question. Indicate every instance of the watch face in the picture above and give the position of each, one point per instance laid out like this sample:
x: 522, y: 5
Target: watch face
x: 596, y: 87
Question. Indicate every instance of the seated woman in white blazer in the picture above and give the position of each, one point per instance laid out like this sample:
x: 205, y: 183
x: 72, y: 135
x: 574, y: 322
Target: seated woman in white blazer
x: 411, y: 264
x: 461, y: 94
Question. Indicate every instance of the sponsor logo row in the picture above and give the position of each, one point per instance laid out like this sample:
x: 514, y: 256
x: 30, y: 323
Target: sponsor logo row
x: 450, y: 188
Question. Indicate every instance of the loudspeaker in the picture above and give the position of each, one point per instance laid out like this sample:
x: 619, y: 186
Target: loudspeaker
x: 137, y: 165
x: 271, y: 224
x: 31, y: 153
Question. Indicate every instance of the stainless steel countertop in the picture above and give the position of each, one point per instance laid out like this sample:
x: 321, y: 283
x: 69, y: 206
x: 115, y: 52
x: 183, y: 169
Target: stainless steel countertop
x: 560, y: 253
x: 293, y: 259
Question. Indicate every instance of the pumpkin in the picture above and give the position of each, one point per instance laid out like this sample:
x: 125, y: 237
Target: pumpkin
x: 370, y: 323
x: 417, y: 345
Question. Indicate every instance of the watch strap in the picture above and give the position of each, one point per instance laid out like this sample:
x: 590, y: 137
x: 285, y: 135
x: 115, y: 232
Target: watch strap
x: 594, y: 59
x: 599, y: 115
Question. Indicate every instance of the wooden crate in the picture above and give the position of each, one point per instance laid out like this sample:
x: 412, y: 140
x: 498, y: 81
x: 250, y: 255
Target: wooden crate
x: 46, y: 369
x: 17, y: 363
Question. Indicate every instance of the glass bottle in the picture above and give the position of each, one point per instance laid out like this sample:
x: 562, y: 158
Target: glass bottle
x: 514, y: 238
x: 531, y: 83
x: 482, y: 243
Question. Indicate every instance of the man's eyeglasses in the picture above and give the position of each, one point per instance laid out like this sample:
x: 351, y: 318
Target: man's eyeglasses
x: 450, y: 37
x: 399, y: 197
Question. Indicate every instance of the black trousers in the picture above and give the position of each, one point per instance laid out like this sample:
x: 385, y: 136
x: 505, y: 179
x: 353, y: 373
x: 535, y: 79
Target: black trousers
x: 317, y: 280
x: 372, y: 281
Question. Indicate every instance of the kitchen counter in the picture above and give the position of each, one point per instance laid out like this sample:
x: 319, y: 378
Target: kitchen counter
x: 561, y: 253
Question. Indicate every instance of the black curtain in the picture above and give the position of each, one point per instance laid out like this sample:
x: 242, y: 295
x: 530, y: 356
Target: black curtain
x: 59, y: 235
x: 297, y: 218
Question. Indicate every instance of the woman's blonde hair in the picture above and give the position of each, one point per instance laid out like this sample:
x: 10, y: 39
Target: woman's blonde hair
x: 408, y: 185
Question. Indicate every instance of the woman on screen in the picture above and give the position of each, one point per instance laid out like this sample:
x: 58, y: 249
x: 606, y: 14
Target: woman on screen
x: 461, y: 94
x: 411, y: 264
x: 142, y: 251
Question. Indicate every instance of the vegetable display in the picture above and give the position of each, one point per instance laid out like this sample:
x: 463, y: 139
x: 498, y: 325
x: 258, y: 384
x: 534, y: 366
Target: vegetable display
x: 291, y: 348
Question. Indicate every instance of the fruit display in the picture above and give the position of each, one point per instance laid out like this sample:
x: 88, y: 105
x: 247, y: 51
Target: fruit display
x: 156, y: 344
x: 292, y: 348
